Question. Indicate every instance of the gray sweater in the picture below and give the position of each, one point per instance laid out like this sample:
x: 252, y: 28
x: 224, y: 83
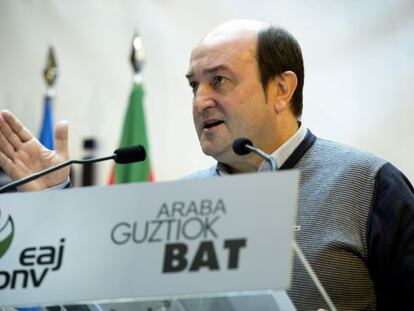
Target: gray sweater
x: 356, y: 214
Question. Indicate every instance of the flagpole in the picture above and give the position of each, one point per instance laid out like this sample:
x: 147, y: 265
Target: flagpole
x: 50, y: 75
x: 50, y: 72
x: 134, y: 127
x: 137, y: 58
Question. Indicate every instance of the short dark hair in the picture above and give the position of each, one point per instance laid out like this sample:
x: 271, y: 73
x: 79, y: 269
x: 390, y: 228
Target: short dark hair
x: 277, y: 52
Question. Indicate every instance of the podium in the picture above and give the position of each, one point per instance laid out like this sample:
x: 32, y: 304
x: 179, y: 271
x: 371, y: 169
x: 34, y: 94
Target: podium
x: 199, y: 244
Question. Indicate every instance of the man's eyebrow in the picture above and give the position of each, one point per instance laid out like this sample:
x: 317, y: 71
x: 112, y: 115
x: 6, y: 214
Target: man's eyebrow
x: 215, y: 69
x: 211, y: 70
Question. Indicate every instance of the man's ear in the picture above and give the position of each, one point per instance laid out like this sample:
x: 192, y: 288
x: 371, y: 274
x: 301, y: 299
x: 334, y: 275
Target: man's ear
x: 286, y: 84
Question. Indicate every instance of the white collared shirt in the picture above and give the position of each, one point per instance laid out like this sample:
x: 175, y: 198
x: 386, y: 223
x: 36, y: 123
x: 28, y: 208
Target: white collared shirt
x: 283, y: 152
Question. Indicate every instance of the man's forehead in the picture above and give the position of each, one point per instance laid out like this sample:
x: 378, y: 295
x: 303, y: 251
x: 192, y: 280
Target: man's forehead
x: 233, y: 41
x: 223, y: 51
x: 225, y: 56
x: 243, y: 47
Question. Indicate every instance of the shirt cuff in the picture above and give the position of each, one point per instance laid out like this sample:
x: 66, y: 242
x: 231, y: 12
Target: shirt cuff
x: 60, y: 186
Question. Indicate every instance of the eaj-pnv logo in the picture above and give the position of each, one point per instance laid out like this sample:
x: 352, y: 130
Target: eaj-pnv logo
x: 6, y: 234
x: 34, y: 263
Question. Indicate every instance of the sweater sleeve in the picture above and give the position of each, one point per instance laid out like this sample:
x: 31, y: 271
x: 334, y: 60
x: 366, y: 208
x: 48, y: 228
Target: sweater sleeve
x: 390, y: 240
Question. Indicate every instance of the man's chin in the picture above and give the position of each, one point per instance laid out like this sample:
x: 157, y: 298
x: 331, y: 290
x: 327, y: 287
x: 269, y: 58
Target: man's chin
x: 211, y: 149
x: 220, y: 154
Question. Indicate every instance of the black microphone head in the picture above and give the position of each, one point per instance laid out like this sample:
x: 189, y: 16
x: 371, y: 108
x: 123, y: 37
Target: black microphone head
x: 239, y: 146
x: 130, y: 154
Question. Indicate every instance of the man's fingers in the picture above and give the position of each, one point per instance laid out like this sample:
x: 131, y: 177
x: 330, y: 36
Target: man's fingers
x: 6, y: 164
x: 8, y: 133
x: 4, y: 161
x: 5, y: 147
x: 16, y: 126
x: 61, y: 139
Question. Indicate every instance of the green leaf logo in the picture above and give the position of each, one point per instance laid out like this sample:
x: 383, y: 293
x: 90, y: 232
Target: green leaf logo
x: 6, y: 236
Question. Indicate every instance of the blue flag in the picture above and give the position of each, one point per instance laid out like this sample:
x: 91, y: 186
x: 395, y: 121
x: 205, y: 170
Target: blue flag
x: 46, y: 132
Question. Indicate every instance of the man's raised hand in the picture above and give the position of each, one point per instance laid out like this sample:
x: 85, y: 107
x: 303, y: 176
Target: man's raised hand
x: 21, y: 154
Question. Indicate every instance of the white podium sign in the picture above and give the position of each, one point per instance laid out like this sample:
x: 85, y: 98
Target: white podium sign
x: 168, y: 239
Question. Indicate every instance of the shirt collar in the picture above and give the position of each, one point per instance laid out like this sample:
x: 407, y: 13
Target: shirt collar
x: 283, y: 152
x: 280, y: 155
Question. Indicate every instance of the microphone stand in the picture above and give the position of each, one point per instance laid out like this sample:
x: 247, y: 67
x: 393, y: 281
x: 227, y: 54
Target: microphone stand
x: 264, y: 155
x: 52, y: 169
x: 124, y: 155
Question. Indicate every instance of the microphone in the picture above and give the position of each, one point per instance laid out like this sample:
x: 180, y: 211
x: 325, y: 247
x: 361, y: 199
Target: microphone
x: 130, y: 154
x: 243, y: 146
x: 123, y: 155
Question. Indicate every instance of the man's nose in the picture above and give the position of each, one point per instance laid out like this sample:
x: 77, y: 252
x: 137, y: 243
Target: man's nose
x: 203, y: 99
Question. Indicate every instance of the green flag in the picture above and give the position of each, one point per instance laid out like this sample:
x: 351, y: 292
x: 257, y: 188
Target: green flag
x: 133, y: 133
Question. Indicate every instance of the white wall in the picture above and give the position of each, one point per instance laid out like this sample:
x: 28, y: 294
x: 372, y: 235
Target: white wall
x: 358, y: 69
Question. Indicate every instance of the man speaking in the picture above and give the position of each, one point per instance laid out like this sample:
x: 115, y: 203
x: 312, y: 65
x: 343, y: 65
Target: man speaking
x: 356, y: 211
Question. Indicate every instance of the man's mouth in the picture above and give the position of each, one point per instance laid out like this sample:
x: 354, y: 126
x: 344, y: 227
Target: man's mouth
x: 212, y: 123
